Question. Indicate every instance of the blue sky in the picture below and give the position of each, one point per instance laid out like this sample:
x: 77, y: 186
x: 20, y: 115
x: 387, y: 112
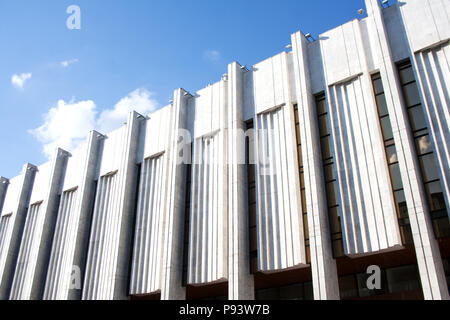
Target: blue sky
x: 57, y: 84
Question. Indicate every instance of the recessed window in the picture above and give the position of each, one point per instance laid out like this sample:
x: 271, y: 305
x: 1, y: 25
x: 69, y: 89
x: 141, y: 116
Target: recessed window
x: 423, y: 145
x: 396, y: 176
x: 382, y: 106
x: 348, y: 287
x: 436, y: 196
x: 406, y: 75
x: 403, y: 279
x: 412, y: 97
x: 392, y: 154
x: 417, y: 118
x: 429, y: 168
x: 387, y: 128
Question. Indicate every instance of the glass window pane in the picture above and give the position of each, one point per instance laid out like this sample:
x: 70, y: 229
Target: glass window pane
x: 348, y: 288
x: 329, y: 172
x: 441, y: 227
x: 387, y: 128
x: 423, y: 145
x: 326, y: 147
x: 401, y: 202
x: 305, y: 225
x: 403, y: 279
x: 332, y: 192
x: 407, y: 75
x: 303, y: 201
x: 252, y: 196
x: 429, y: 168
x: 324, y: 129
x: 254, y: 265
x: 411, y: 94
x: 338, y: 249
x: 321, y: 106
x: 396, y: 176
x: 335, y: 223
x: 302, y: 180
x: 300, y: 156
x: 294, y: 292
x: 446, y: 266
x: 308, y: 291
x: 378, y: 86
x: 268, y: 294
x: 435, y: 195
x: 417, y: 118
x: 382, y: 106
x: 253, y: 239
x: 252, y: 215
x: 364, y: 291
x: 391, y: 152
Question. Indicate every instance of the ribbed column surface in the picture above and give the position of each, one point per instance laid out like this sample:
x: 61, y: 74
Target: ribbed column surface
x: 101, y: 260
x: 207, y: 245
x: 434, y: 69
x: 368, y: 216
x: 4, y: 224
x: 22, y: 282
x: 150, y: 219
x: 61, y: 258
x: 279, y: 224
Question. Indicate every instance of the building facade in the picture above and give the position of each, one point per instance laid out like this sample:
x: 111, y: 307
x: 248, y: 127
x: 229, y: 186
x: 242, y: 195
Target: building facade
x: 284, y: 180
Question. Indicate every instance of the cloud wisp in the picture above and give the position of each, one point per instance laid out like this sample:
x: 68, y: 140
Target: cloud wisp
x: 67, y: 63
x: 212, y: 55
x: 18, y: 80
x: 68, y: 124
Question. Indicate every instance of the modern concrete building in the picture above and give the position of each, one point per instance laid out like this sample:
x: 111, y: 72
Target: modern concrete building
x: 283, y: 180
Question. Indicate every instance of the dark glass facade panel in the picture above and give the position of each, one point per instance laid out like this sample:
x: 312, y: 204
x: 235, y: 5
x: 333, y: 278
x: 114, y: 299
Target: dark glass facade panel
x: 363, y: 291
x: 348, y: 287
x: 425, y: 152
x: 403, y: 279
x: 187, y: 208
x: 429, y: 168
x: 331, y: 183
x: 392, y: 160
x: 447, y: 271
x: 387, y: 128
x: 253, y: 240
x: 417, y: 118
x: 302, y: 186
x: 412, y: 97
x: 393, y: 280
x: 423, y: 145
x: 298, y: 291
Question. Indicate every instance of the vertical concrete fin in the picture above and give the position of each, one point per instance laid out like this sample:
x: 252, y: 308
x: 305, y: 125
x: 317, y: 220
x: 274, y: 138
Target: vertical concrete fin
x: 240, y: 281
x: 323, y: 266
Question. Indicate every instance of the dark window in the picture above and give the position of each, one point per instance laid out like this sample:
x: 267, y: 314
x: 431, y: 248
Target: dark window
x: 187, y: 208
x: 298, y: 291
x: 425, y: 152
x: 251, y: 203
x: 329, y: 176
x: 393, y: 280
x: 302, y: 186
x: 403, y: 279
x: 392, y: 160
x: 348, y: 287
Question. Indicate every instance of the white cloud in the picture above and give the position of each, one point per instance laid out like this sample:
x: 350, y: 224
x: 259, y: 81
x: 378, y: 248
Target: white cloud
x: 67, y: 124
x: 140, y: 100
x: 212, y: 55
x: 19, y: 80
x: 67, y: 63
